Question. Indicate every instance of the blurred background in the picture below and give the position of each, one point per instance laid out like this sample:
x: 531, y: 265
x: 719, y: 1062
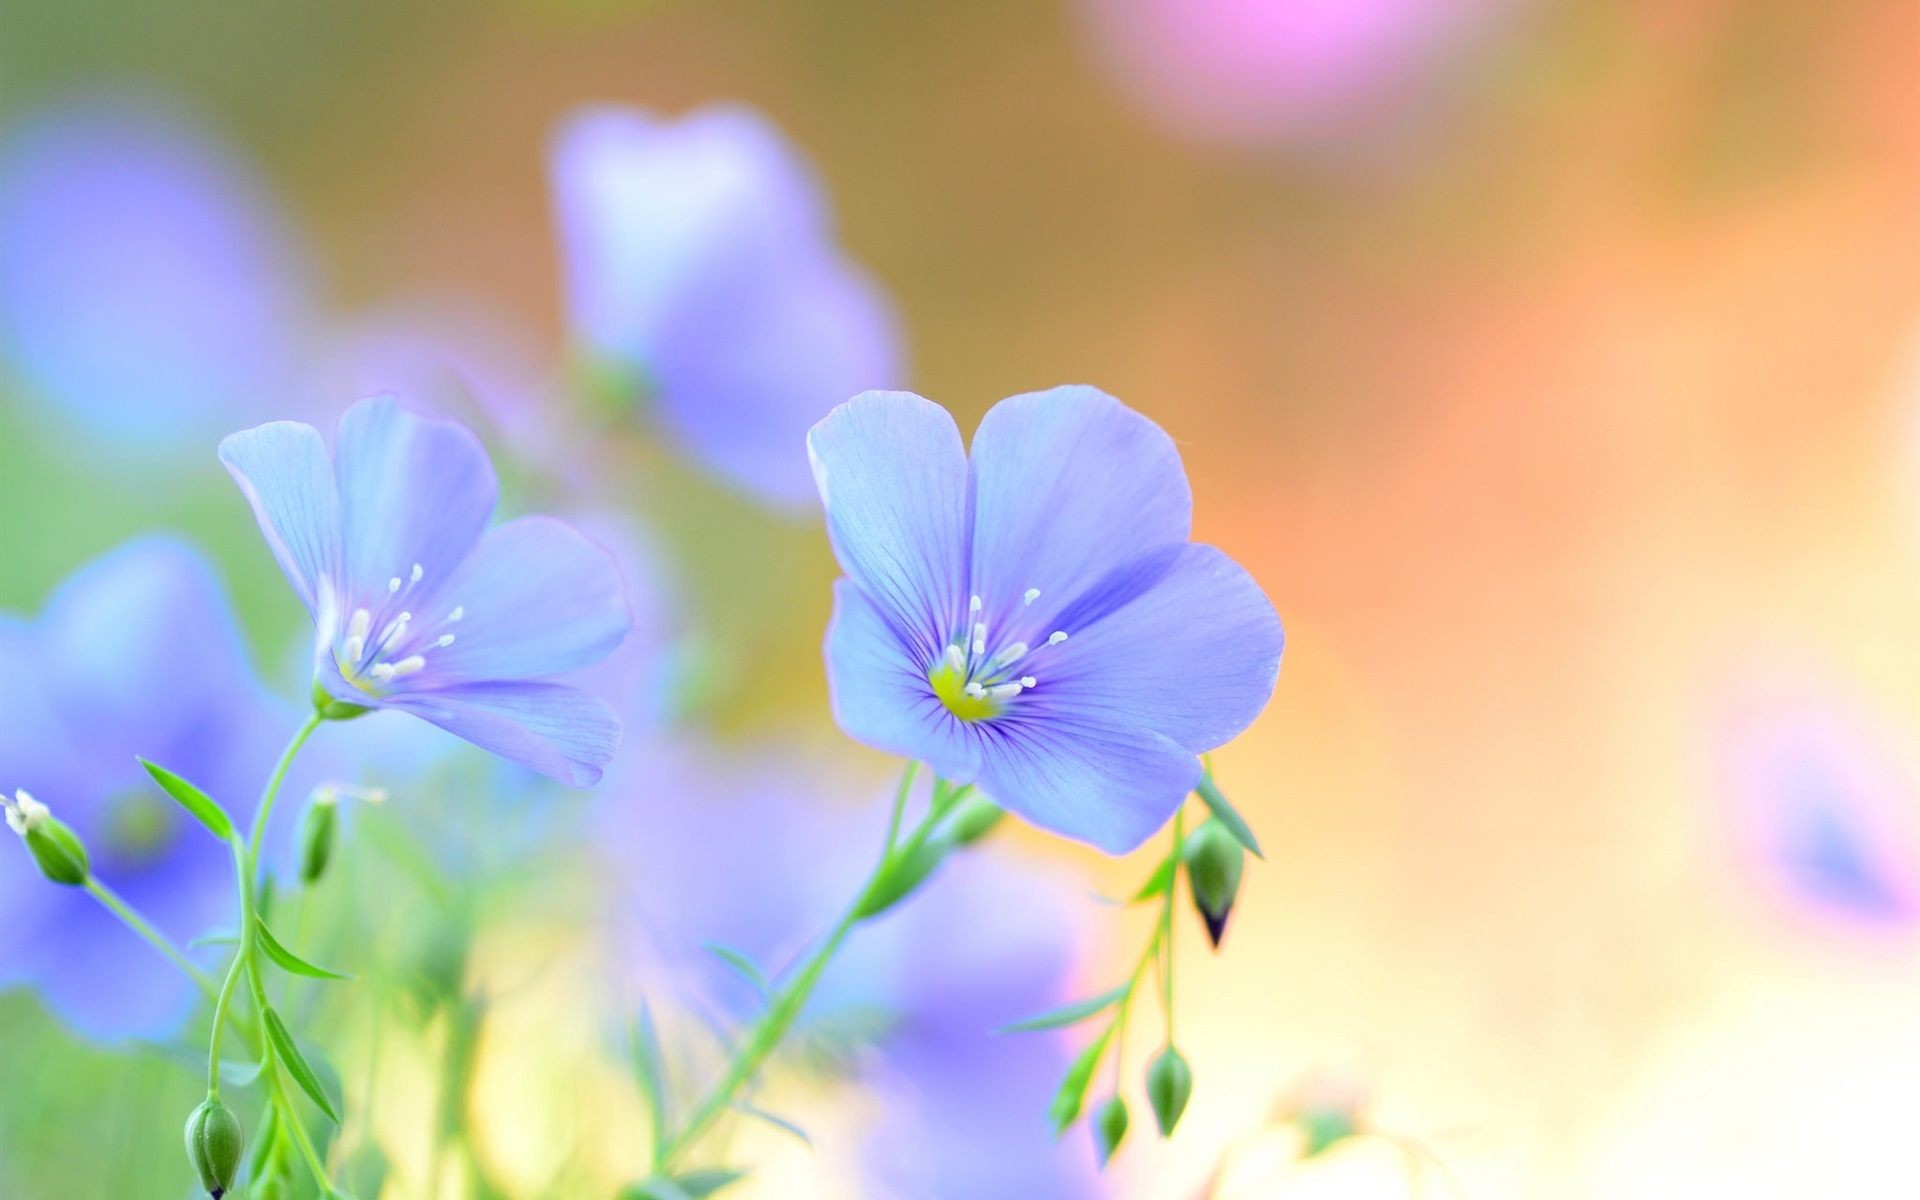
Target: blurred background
x: 1554, y: 366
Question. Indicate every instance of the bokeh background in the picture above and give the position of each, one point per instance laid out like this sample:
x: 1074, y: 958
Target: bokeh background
x: 1554, y: 366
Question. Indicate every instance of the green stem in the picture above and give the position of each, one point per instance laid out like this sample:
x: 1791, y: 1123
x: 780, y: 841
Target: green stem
x: 272, y: 791
x: 131, y: 918
x: 1166, y: 921
x: 786, y: 1003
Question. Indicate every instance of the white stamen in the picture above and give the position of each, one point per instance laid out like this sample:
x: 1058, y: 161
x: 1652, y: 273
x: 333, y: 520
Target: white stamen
x: 23, y: 811
x: 355, y: 644
x: 459, y: 610
x: 1030, y: 595
x: 980, y: 638
x: 1008, y: 656
x: 407, y: 666
x: 975, y: 690
x: 381, y: 672
x: 956, y: 660
x: 393, y: 585
x: 445, y: 640
x: 417, y: 573
x: 1004, y: 691
x: 1056, y: 637
x: 1028, y: 681
x: 973, y: 604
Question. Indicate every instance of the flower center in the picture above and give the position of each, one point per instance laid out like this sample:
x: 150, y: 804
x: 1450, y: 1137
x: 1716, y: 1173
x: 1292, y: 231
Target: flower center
x: 369, y: 660
x: 976, y: 677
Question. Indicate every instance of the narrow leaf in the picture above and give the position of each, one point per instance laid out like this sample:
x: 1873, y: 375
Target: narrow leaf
x: 1228, y: 816
x: 1073, y: 1089
x: 286, y: 959
x: 657, y: 1188
x: 741, y: 964
x: 1157, y: 883
x: 778, y: 1122
x: 296, y: 1063
x: 649, y: 1068
x: 192, y: 799
x: 220, y: 937
x: 1069, y: 1014
x: 903, y: 875
x: 704, y: 1183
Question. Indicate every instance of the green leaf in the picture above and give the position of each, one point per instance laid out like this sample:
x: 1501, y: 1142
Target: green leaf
x: 1157, y: 883
x: 296, y: 1063
x: 700, y: 1184
x: 741, y: 964
x: 1070, y: 1014
x: 778, y: 1122
x: 902, y: 876
x: 1073, y: 1089
x: 657, y: 1188
x: 286, y: 959
x: 650, y: 1069
x: 219, y: 937
x: 1228, y: 816
x: 193, y: 800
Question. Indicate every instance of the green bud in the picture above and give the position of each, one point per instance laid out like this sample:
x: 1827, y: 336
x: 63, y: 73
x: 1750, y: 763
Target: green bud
x: 55, y: 847
x: 1214, y: 865
x: 317, y: 826
x: 1109, y: 1128
x: 335, y: 710
x: 214, y: 1142
x: 1169, y: 1083
x: 975, y: 820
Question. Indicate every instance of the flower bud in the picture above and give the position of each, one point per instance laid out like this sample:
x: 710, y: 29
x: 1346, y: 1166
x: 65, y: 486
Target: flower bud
x: 1169, y: 1084
x: 1214, y: 863
x: 975, y: 820
x: 214, y: 1142
x: 317, y: 827
x: 1109, y: 1128
x: 55, y: 847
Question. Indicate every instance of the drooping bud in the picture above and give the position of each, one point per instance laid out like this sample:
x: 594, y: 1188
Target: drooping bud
x: 1109, y: 1128
x: 317, y: 827
x: 1169, y: 1084
x: 214, y: 1142
x: 55, y: 847
x: 1214, y: 865
x: 975, y: 819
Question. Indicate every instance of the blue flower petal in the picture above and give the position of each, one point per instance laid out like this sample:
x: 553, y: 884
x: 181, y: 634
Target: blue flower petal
x: 559, y: 731
x: 1069, y: 484
x: 414, y: 490
x: 284, y: 472
x: 893, y: 476
x: 1085, y: 775
x: 880, y: 698
x: 744, y: 371
x: 1193, y: 656
x: 539, y: 599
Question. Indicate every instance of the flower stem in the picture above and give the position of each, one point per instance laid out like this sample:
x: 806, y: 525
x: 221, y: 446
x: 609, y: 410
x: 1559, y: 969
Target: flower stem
x: 786, y: 1003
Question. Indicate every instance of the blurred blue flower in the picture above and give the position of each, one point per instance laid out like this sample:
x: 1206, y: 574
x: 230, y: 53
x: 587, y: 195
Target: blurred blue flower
x: 1035, y: 619
x: 700, y: 259
x: 149, y: 291
x: 135, y: 654
x: 417, y: 605
x: 1826, y: 817
x: 753, y: 852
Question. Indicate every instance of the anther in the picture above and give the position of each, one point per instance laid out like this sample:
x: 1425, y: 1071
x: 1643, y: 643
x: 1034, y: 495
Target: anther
x: 1028, y: 681
x: 1004, y: 691
x: 1030, y: 595
x: 445, y: 640
x: 956, y: 660
x: 417, y: 573
x: 1056, y: 637
x: 393, y: 585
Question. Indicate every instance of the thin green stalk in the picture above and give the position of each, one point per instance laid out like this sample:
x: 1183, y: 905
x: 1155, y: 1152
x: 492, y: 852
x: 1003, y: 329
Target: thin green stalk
x: 1166, y: 920
x: 131, y: 918
x: 787, y: 1002
x: 272, y: 791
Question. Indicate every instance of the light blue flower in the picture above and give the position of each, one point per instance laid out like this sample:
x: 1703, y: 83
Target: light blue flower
x: 150, y: 292
x: 417, y: 605
x: 700, y: 257
x: 135, y: 654
x: 1035, y: 618
x: 757, y: 851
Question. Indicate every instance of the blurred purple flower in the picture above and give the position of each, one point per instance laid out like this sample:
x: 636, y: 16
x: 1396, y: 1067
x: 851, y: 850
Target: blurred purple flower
x: 754, y: 854
x: 1824, y: 814
x: 1253, y: 71
x: 700, y: 259
x: 149, y: 290
x: 1035, y: 618
x: 135, y: 654
x: 417, y: 605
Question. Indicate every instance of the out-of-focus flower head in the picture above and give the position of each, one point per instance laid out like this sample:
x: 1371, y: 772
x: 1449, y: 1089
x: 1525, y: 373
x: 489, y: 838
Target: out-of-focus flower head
x: 419, y: 606
x: 755, y: 853
x: 150, y: 292
x: 1258, y: 72
x: 135, y: 654
x: 1034, y: 617
x: 1823, y: 813
x: 701, y: 263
